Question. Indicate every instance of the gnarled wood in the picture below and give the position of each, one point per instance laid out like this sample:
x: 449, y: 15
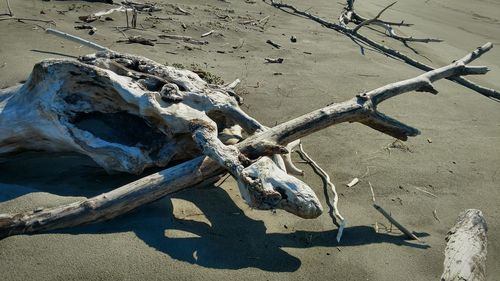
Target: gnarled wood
x: 195, y: 171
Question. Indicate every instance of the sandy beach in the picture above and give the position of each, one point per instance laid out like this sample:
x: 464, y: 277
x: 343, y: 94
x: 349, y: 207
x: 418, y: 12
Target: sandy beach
x: 209, y: 233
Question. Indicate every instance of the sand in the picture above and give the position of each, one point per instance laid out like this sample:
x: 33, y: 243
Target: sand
x: 209, y: 233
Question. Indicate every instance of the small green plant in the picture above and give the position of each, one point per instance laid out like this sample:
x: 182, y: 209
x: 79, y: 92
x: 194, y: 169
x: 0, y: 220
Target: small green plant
x: 205, y: 75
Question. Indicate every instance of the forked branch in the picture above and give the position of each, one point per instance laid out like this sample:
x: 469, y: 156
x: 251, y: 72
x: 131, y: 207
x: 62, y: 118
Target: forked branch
x: 346, y: 17
x: 362, y: 108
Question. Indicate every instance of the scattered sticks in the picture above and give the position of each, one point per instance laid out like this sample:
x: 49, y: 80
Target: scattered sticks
x: 256, y: 22
x: 12, y: 17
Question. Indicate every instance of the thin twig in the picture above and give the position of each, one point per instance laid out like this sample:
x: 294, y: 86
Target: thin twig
x: 76, y: 39
x: 9, y: 9
x: 434, y: 213
x: 366, y: 22
x: 207, y: 33
x: 223, y: 180
x: 326, y: 179
x: 491, y: 93
x: 396, y: 223
x: 29, y: 19
x: 373, y: 193
x: 425, y: 191
x: 126, y: 17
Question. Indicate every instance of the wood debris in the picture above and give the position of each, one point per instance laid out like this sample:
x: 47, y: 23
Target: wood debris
x: 399, y: 226
x: 274, y: 60
x: 187, y: 39
x: 277, y: 46
x: 353, y: 182
x: 207, y: 33
x: 139, y: 40
x: 221, y: 158
x: 349, y: 15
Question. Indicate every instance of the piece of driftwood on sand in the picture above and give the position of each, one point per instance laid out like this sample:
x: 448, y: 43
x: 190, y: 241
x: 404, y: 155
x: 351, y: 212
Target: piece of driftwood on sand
x: 256, y: 175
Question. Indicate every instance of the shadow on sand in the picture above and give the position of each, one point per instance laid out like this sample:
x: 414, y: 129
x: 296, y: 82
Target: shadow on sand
x: 232, y: 241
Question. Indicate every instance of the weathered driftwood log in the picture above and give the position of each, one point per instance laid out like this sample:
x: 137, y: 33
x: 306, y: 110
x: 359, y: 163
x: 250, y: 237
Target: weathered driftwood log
x: 357, y: 37
x: 129, y: 113
x: 465, y: 253
x: 295, y: 195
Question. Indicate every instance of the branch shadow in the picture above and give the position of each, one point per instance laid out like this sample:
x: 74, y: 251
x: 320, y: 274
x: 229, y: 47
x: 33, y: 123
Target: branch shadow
x: 230, y: 239
x: 63, y: 174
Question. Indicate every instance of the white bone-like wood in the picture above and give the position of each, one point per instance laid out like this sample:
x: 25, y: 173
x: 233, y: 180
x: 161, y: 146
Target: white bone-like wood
x: 263, y: 142
x: 466, y: 248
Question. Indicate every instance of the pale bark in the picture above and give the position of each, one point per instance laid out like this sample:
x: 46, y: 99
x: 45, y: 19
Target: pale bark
x: 466, y: 248
x: 362, y: 108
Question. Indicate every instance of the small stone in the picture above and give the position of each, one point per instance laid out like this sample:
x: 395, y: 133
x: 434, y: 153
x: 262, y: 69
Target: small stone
x: 293, y: 39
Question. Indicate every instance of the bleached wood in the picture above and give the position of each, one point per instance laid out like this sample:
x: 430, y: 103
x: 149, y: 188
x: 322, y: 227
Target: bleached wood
x: 466, y: 248
x: 331, y: 186
x: 195, y: 171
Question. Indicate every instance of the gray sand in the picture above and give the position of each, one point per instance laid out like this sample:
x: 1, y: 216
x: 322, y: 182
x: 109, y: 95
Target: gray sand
x: 209, y: 233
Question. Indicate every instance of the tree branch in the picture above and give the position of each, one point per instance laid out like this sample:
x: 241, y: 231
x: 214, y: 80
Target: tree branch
x: 492, y: 93
x: 361, y: 109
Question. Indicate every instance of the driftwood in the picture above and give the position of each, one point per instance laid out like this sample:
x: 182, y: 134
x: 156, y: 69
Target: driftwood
x: 153, y: 115
x: 394, y: 222
x: 326, y: 179
x: 138, y: 39
x: 117, y: 82
x: 390, y: 218
x: 76, y: 39
x: 349, y: 15
x: 187, y: 39
x: 465, y: 253
x: 357, y: 37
